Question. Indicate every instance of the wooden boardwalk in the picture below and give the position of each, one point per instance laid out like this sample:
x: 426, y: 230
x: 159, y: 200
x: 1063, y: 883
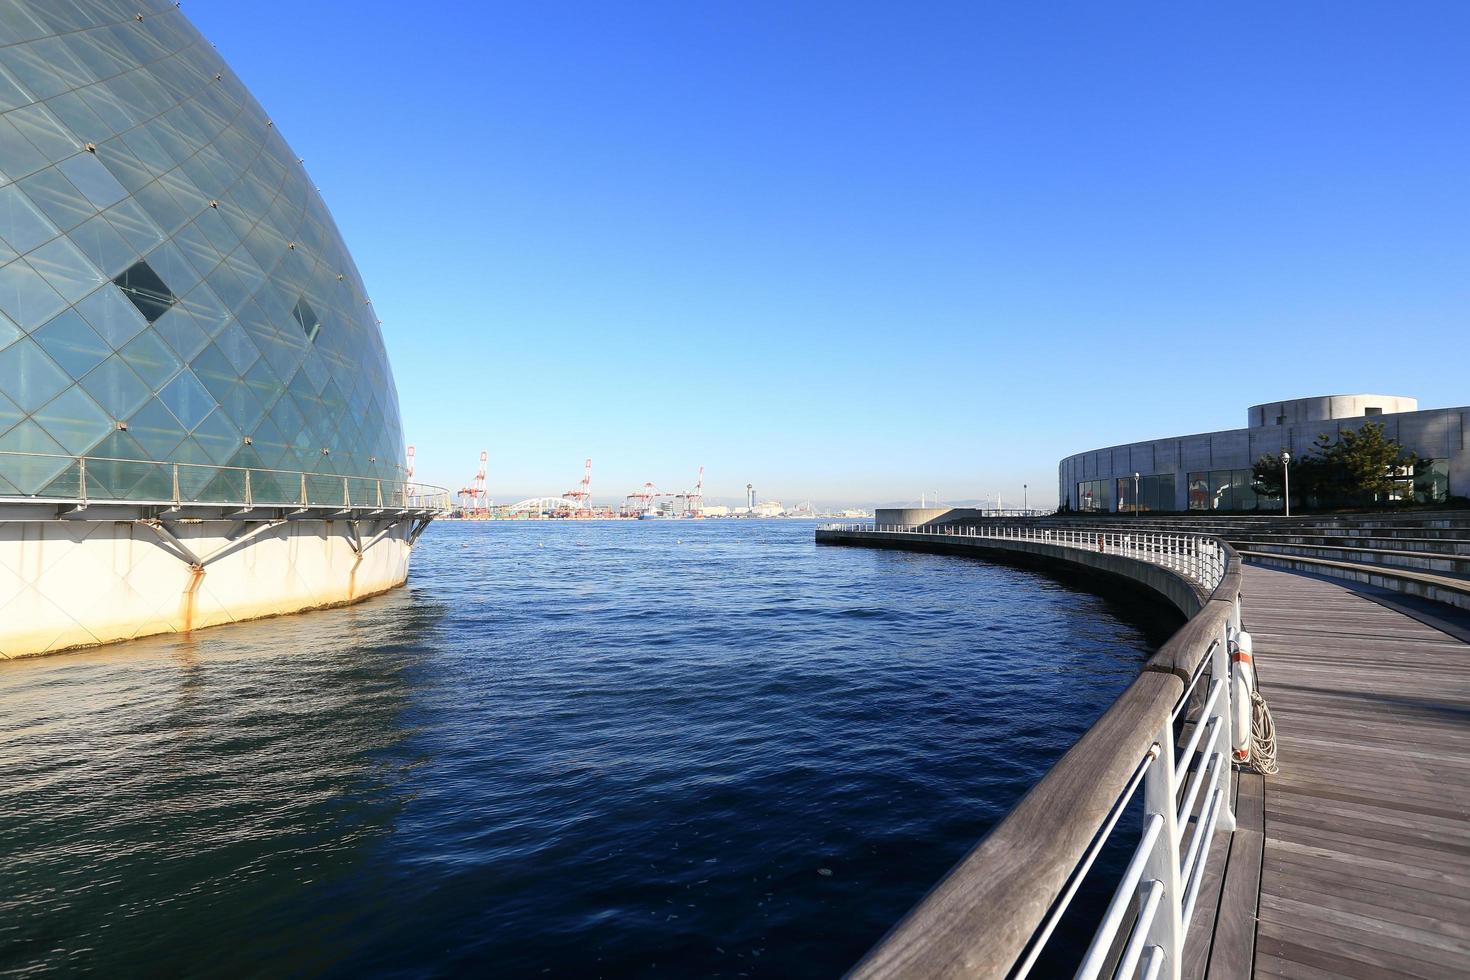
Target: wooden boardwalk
x: 1366, y: 862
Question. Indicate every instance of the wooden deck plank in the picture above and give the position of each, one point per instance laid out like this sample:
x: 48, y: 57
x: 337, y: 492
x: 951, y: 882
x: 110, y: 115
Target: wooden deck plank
x: 1233, y: 948
x: 1365, y: 858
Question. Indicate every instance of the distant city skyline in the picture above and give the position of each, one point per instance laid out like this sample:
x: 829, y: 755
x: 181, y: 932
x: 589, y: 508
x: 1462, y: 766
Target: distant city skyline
x: 848, y: 258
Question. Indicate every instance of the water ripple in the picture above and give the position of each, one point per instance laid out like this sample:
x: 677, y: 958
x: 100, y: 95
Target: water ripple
x: 565, y: 749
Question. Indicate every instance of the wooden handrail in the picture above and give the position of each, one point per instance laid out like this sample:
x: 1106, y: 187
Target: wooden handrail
x: 981, y: 916
x: 984, y: 915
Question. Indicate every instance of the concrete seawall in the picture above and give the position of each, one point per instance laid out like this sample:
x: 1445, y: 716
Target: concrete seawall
x: 1173, y: 586
x: 68, y: 584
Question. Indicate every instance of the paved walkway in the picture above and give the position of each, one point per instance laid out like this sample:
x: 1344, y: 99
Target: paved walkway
x: 1366, y: 869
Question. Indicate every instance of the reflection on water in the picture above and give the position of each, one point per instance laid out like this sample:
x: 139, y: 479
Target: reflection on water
x: 565, y: 749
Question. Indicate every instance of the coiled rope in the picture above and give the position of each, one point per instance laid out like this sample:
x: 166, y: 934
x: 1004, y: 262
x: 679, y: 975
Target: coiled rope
x: 1263, y: 738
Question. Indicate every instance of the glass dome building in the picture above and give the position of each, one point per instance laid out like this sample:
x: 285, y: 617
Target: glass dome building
x: 184, y: 337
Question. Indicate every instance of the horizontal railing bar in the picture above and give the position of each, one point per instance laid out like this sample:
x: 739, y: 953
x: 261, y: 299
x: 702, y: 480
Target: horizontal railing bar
x: 1134, y: 950
x: 1206, y: 832
x: 1103, y: 836
x: 1197, y: 780
x: 1102, y: 940
x: 1181, y: 764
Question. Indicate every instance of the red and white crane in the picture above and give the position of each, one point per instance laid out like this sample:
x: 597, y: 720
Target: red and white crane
x: 583, y: 494
x: 474, y: 500
x: 694, y: 499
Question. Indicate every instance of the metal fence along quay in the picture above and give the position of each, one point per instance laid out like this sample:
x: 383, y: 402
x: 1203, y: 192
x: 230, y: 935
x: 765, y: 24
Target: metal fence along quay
x: 78, y: 482
x: 1166, y: 741
x: 1199, y: 556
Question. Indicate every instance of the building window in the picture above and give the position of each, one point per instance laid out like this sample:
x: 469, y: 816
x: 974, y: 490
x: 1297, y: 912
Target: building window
x: 1094, y: 495
x: 1432, y: 482
x: 149, y: 293
x: 1372, y: 410
x: 1155, y: 492
x: 1231, y: 490
x: 311, y: 324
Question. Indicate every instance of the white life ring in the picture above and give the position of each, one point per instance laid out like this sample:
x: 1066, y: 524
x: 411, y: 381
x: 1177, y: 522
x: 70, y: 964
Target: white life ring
x: 1243, y: 684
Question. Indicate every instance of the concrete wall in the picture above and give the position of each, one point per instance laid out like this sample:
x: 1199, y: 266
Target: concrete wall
x: 1326, y: 408
x: 915, y: 516
x: 1182, y: 593
x: 71, y: 583
x: 1440, y: 433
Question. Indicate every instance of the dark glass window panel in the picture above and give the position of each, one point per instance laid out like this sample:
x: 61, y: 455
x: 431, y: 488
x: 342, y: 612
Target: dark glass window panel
x: 311, y: 325
x: 147, y: 291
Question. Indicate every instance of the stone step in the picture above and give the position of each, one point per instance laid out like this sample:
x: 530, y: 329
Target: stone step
x: 1440, y: 588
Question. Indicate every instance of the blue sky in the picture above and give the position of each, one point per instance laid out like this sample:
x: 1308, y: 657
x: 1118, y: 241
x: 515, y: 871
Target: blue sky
x: 855, y: 251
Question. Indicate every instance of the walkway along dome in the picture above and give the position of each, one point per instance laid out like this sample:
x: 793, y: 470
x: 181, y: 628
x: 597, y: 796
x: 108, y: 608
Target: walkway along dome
x: 185, y: 347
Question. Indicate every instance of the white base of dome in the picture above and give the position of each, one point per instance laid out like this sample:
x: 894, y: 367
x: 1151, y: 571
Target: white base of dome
x: 76, y: 583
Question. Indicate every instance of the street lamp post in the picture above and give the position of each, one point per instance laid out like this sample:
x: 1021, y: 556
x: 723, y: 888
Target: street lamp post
x: 1135, y: 493
x: 1286, y: 479
x: 1025, y: 497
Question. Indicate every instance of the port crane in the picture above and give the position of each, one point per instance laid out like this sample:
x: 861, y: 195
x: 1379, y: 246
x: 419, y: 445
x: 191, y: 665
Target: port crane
x: 694, y: 499
x: 474, y: 500
x: 583, y: 494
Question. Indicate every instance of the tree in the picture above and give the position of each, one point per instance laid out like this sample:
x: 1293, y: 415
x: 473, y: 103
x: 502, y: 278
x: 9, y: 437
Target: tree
x: 1373, y: 467
x: 1363, y: 466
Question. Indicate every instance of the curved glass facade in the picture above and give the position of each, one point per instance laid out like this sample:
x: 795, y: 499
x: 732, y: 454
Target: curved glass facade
x: 172, y: 288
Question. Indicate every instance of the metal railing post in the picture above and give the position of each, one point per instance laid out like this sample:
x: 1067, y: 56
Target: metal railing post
x: 1224, y: 711
x: 249, y: 500
x: 177, y: 501
x: 82, y: 480
x: 1160, y: 797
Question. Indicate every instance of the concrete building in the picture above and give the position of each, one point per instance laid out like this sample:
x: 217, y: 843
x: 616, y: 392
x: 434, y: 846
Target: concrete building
x: 1212, y: 470
x: 198, y: 423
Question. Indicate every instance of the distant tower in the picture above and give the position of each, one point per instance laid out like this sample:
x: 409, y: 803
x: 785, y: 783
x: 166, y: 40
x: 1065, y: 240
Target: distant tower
x: 749, y: 497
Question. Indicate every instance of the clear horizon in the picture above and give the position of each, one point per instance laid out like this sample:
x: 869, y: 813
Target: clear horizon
x: 858, y: 257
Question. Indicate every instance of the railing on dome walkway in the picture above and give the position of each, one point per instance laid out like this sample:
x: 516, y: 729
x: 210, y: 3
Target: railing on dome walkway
x: 75, y: 483
x: 1167, y: 738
